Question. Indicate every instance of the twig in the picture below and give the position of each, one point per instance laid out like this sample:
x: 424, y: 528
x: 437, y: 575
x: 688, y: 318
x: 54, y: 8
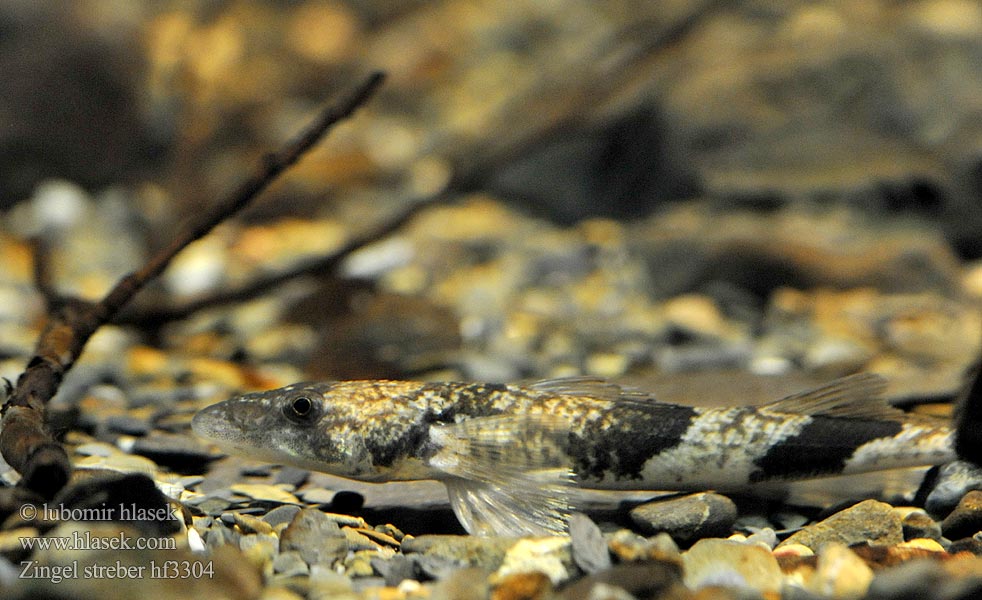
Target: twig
x: 24, y: 441
x: 155, y: 316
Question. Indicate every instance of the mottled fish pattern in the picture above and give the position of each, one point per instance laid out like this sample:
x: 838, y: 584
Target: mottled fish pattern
x: 512, y: 455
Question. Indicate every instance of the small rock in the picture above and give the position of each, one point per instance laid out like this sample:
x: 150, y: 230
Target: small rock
x: 712, y: 562
x: 281, y: 514
x: 687, y: 518
x: 696, y: 315
x: 931, y: 545
x: 317, y: 496
x: 251, y: 524
x: 972, y: 545
x: 628, y: 546
x: 589, y: 547
x: 840, y: 573
x: 550, y: 556
x: 462, y: 584
x: 484, y: 552
x: 258, y: 491
x: 315, y: 536
x: 869, y: 521
x: 522, y: 586
x: 953, y: 481
x: 913, y: 579
x: 357, y: 541
x: 966, y: 519
x: 291, y: 475
x: 765, y: 537
x: 793, y: 550
x: 918, y: 524
x: 648, y: 579
x: 395, y: 569
x: 260, y: 548
x: 359, y: 564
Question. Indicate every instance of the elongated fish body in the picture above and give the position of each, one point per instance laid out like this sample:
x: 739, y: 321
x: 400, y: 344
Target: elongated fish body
x: 511, y: 455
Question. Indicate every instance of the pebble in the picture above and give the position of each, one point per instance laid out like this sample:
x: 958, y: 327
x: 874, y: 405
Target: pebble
x: 317, y: 496
x: 483, y: 552
x: 917, y: 524
x: 316, y: 537
x: 462, y: 584
x: 264, y: 492
x: 521, y: 585
x: 589, y: 548
x: 395, y: 569
x: 628, y: 546
x: 840, y: 573
x: 251, y: 524
x: 550, y: 556
x: 648, y: 579
x: 281, y: 514
x: 966, y: 519
x: 715, y: 562
x: 869, y: 521
x: 687, y: 518
x: 953, y: 481
x: 921, y: 578
x: 291, y: 475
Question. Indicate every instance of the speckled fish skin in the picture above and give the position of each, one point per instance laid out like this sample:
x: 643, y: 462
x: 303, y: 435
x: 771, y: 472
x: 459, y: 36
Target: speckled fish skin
x: 599, y: 435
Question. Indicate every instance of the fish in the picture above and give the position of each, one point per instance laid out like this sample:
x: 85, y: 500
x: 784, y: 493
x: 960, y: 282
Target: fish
x: 512, y: 457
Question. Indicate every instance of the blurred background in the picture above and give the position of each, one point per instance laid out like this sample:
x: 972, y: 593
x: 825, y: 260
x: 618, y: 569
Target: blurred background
x: 638, y: 190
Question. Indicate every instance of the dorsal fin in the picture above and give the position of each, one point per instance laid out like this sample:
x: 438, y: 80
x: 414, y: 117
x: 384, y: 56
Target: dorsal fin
x: 856, y: 396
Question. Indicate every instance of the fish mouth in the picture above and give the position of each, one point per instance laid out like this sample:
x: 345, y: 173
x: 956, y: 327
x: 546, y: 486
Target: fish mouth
x: 220, y: 424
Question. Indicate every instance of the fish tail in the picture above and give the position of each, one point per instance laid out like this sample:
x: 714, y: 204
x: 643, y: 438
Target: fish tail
x: 968, y: 419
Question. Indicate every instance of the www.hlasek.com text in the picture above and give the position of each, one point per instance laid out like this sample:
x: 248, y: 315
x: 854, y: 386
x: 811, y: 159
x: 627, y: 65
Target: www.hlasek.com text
x: 84, y: 540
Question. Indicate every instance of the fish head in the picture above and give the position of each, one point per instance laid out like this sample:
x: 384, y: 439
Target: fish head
x: 299, y: 425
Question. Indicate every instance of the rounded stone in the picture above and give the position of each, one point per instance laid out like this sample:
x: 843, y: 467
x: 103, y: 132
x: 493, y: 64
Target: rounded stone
x: 687, y: 518
x: 966, y: 519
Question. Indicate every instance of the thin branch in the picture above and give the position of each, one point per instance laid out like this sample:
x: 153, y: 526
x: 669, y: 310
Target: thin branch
x: 155, y: 316
x: 25, y: 443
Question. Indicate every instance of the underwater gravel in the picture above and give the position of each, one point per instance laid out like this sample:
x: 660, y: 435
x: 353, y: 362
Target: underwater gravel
x: 543, y: 309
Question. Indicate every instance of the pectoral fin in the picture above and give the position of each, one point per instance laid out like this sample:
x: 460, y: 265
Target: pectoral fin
x: 507, y: 475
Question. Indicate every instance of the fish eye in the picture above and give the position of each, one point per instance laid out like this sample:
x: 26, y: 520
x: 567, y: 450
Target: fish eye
x: 301, y: 410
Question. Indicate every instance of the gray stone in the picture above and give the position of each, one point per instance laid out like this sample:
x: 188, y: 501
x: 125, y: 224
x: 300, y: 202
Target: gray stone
x: 293, y: 475
x: 687, y: 518
x: 589, y: 547
x: 281, y: 514
x: 869, y: 521
x: 395, y: 569
x: 290, y: 563
x: 315, y: 536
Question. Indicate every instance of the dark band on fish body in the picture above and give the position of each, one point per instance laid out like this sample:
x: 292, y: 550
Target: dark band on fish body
x: 385, y: 452
x: 821, y: 447
x: 641, y: 433
x: 465, y: 399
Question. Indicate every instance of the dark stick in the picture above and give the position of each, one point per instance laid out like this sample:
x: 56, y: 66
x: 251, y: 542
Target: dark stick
x: 154, y: 316
x: 25, y: 443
